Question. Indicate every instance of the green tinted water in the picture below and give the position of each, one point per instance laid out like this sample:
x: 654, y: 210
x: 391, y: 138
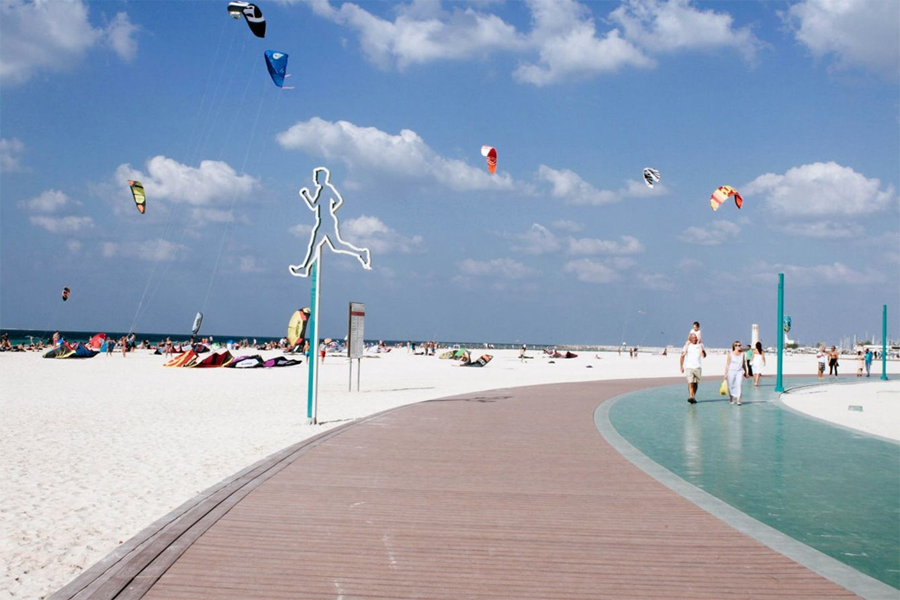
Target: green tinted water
x: 832, y: 489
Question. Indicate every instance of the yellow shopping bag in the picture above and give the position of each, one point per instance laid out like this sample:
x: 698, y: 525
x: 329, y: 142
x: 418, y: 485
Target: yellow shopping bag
x: 723, y: 389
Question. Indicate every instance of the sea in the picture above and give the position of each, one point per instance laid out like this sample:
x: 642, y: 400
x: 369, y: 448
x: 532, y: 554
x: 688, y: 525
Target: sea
x: 26, y: 336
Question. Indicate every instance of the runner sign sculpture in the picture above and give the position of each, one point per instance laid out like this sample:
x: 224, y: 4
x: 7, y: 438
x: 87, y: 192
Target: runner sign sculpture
x: 311, y: 266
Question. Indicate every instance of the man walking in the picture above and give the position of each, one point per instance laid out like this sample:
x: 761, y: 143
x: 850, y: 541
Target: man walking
x: 691, y: 365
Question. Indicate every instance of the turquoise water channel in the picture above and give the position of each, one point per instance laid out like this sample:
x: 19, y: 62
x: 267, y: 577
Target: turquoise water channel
x: 833, y: 489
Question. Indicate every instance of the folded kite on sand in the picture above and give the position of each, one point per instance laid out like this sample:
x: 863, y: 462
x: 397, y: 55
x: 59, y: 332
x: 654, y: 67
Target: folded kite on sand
x: 78, y: 350
x: 483, y: 360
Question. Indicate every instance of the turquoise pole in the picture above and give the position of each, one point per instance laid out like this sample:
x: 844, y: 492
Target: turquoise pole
x: 779, y: 333
x: 884, y: 343
x: 313, y: 337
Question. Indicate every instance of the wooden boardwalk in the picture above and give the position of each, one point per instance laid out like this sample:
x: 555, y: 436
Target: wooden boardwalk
x: 502, y: 494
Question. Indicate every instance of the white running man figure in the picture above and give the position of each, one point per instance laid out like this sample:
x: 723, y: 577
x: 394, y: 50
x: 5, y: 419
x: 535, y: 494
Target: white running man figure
x: 332, y: 238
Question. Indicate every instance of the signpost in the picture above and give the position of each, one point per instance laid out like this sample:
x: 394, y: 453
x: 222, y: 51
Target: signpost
x: 311, y: 266
x: 356, y: 331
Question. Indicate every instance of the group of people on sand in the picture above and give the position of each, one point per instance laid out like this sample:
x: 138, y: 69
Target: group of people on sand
x: 740, y: 364
x: 831, y: 358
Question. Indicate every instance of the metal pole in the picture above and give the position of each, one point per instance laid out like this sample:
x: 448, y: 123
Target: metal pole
x: 779, y: 335
x: 350, y: 376
x: 312, y: 389
x: 884, y: 343
x: 358, y: 365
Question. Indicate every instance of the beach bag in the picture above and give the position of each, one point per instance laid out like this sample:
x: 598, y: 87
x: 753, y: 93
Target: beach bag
x: 723, y: 389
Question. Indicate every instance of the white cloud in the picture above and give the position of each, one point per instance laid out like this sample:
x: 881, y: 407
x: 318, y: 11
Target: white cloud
x: 569, y: 186
x: 372, y: 233
x: 537, y: 240
x: 248, y: 264
x: 715, y: 234
x: 53, y: 35
x: 564, y: 35
x: 62, y: 224
x: 580, y: 53
x: 120, y: 35
x: 158, y: 250
x: 301, y: 230
x: 675, y: 25
x: 589, y: 246
x: 858, y: 33
x: 824, y: 229
x: 690, y: 265
x: 370, y: 150
x: 502, y: 268
x: 833, y: 274
x: 591, y: 271
x: 654, y: 281
x: 572, y: 189
x: 569, y: 226
x: 10, y: 149
x: 820, y: 189
x: 48, y: 201
x: 168, y: 179
x: 418, y: 36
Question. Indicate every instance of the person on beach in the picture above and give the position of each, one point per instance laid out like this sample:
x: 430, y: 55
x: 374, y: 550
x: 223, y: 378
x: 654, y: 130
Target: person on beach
x: 749, y: 352
x: 691, y: 363
x: 56, y: 339
x: 124, y: 342
x: 833, y: 362
x: 735, y: 371
x: 322, y: 349
x: 868, y: 362
x: 759, y: 361
x: 860, y: 363
x: 522, y: 353
x: 822, y: 359
x: 110, y: 346
x: 695, y: 329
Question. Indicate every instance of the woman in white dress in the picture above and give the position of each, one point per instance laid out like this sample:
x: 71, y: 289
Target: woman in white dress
x: 758, y: 362
x: 735, y: 371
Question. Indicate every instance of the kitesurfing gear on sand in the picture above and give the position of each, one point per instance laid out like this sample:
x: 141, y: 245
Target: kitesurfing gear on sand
x: 490, y: 153
x: 722, y: 194
x: 651, y: 176
x: 254, y: 17
x: 296, y: 331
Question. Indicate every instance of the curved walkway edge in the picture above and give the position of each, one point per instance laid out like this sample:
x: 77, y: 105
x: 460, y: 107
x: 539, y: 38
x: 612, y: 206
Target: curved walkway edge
x: 834, y: 570
x: 509, y: 493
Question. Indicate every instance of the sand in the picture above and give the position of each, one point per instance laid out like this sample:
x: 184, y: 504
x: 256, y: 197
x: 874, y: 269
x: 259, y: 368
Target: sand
x: 866, y: 405
x: 95, y: 450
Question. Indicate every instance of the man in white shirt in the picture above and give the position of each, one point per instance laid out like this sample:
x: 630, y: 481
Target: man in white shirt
x: 691, y: 365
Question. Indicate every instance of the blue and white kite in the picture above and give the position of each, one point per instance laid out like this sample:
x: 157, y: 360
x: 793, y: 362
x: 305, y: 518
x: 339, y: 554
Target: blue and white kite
x: 277, y: 65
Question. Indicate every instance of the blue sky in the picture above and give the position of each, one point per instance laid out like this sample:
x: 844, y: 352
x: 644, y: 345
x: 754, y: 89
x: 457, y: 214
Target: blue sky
x: 795, y: 104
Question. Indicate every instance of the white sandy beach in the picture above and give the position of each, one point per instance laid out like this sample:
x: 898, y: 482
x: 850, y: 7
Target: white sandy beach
x: 95, y: 450
x: 865, y: 404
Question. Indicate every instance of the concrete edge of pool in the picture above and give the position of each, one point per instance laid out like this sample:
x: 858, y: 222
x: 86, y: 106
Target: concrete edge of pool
x: 830, y: 568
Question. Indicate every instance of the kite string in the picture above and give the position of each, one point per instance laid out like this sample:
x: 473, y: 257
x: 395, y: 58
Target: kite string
x: 195, y: 145
x: 227, y: 227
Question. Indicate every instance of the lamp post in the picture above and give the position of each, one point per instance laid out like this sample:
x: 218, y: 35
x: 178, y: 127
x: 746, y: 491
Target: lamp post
x: 884, y: 343
x: 779, y: 335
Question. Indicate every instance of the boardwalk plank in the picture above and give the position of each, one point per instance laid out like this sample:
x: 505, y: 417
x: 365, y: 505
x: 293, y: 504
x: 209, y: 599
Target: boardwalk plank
x: 504, y: 494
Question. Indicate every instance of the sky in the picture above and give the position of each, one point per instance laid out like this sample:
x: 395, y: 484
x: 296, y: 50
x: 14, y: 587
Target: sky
x: 794, y: 104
